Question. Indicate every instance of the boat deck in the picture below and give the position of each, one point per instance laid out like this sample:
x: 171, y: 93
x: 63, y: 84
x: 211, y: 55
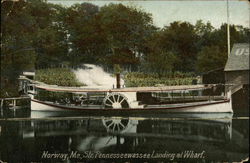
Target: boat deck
x: 184, y: 104
x: 126, y: 89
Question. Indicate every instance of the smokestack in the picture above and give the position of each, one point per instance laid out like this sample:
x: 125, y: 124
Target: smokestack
x: 118, y: 80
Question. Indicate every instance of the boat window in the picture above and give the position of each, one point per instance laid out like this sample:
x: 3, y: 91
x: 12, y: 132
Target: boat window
x: 31, y: 88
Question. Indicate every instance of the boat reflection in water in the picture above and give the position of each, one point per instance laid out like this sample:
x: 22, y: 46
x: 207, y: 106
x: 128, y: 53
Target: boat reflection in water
x: 104, y: 138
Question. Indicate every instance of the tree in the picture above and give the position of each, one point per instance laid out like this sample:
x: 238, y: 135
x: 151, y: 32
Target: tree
x: 204, y: 34
x: 17, y: 52
x: 210, y: 58
x: 238, y: 34
x: 50, y: 37
x: 213, y: 53
x: 31, y: 35
x: 88, y: 39
x: 158, y: 58
x: 126, y: 29
x: 180, y: 38
x: 160, y: 62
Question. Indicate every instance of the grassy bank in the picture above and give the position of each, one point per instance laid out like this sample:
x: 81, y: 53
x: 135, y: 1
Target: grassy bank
x: 137, y: 79
x: 58, y: 76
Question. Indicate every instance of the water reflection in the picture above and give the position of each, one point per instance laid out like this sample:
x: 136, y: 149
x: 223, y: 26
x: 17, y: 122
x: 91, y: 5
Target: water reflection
x: 35, y: 140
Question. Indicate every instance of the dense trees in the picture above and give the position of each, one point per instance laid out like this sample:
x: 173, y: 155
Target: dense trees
x: 36, y: 34
x: 181, y: 38
x: 210, y: 58
x: 213, y: 52
x: 31, y: 36
x: 87, y: 39
x: 16, y: 49
x: 126, y: 29
x: 158, y: 58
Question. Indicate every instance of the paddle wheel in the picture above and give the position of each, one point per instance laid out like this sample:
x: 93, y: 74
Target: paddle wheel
x: 119, y: 125
x: 115, y: 101
x: 120, y: 100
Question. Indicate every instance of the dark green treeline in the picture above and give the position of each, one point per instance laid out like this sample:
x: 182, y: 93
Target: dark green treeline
x: 36, y: 34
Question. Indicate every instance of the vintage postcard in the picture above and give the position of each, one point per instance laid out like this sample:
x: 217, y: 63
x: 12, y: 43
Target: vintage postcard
x: 101, y: 81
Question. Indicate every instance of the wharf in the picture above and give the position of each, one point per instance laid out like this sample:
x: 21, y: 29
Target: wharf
x: 15, y: 102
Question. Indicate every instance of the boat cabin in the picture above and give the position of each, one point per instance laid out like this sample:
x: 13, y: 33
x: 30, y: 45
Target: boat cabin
x: 25, y: 82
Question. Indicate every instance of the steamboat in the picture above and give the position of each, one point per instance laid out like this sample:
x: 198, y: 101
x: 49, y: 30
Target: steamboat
x: 169, y: 99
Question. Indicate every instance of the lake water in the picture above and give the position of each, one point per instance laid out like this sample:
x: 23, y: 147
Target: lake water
x: 52, y: 137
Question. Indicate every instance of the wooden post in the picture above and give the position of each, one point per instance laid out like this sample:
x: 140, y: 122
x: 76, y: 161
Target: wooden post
x: 14, y: 103
x: 2, y: 103
x: 1, y: 108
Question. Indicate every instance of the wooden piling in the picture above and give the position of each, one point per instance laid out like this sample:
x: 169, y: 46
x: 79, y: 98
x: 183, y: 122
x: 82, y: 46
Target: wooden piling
x: 13, y: 104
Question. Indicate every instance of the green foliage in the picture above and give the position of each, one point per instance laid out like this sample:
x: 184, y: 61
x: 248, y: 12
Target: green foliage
x: 9, y: 90
x: 31, y: 36
x: 158, y: 59
x: 89, y: 43
x: 57, y: 76
x: 210, y: 58
x: 137, y: 79
x: 212, y: 45
x: 180, y: 38
x: 126, y: 31
x: 117, y: 69
x: 37, y: 34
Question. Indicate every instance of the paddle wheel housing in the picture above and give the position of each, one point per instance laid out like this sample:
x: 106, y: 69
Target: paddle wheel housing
x: 117, y: 100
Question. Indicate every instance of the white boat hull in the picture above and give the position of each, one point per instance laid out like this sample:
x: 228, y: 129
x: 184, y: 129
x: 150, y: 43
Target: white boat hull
x: 198, y: 107
x: 35, y: 105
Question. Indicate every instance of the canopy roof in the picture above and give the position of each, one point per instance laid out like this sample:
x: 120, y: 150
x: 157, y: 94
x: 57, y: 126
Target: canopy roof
x: 129, y: 89
x: 56, y: 88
